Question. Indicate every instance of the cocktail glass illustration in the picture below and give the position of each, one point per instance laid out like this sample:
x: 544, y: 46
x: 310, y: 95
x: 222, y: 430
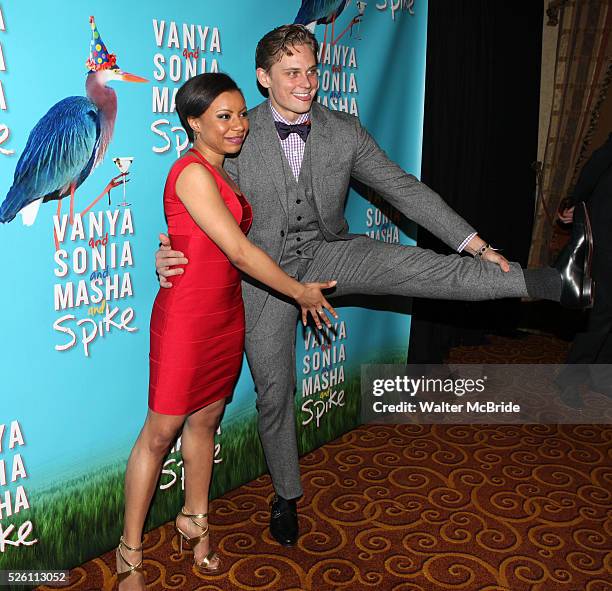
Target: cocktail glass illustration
x: 361, y: 6
x: 123, y: 163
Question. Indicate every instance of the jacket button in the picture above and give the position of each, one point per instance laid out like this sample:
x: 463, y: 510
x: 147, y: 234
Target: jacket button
x: 282, y: 232
x: 299, y: 239
x: 298, y: 251
x: 298, y: 201
x: 299, y: 218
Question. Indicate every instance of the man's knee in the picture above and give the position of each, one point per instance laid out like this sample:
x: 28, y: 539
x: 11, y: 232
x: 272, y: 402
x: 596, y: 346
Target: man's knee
x: 275, y: 397
x: 275, y: 388
x: 272, y: 370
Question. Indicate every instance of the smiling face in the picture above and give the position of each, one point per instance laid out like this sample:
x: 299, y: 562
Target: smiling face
x: 221, y: 129
x: 292, y: 82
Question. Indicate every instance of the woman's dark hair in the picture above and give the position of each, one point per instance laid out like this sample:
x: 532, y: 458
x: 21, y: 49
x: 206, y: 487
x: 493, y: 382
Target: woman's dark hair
x: 197, y: 94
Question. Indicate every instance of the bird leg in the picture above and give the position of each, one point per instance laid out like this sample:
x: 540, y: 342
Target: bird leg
x: 114, y: 182
x: 72, y: 190
x: 350, y: 26
x: 55, y: 239
x: 324, y: 43
x: 332, y: 43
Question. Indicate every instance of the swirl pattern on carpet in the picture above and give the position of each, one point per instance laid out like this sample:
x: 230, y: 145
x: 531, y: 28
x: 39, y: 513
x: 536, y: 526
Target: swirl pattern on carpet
x: 415, y: 508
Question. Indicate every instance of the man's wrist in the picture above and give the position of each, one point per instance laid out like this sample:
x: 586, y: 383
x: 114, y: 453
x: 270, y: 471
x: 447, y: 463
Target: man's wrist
x: 482, y: 250
x: 474, y: 245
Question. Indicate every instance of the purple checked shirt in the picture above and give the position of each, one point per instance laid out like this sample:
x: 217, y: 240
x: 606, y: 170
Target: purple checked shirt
x: 293, y: 147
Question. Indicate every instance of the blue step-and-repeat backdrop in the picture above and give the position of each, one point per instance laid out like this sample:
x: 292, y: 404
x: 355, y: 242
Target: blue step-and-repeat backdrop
x: 77, y: 296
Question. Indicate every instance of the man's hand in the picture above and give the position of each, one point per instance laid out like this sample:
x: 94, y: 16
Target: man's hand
x: 566, y: 216
x: 494, y: 257
x: 165, y: 259
x: 490, y: 255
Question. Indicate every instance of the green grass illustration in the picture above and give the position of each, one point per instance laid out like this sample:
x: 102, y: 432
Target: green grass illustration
x: 78, y: 520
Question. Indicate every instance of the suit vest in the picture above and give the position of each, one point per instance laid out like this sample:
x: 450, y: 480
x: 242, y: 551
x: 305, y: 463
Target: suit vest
x: 304, y: 232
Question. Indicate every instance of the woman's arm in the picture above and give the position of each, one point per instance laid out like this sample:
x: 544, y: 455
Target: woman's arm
x: 198, y: 191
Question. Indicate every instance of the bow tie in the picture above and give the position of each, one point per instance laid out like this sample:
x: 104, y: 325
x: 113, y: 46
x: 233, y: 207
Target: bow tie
x: 284, y: 129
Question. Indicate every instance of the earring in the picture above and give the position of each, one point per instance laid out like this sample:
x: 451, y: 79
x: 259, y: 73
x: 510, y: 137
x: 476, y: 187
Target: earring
x: 195, y: 135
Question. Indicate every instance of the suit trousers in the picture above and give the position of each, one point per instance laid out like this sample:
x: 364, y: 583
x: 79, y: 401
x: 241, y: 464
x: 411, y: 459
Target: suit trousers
x: 360, y: 266
x: 590, y: 356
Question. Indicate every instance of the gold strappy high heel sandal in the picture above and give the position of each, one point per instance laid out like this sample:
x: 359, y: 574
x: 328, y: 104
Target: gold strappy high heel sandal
x: 132, y: 568
x: 205, y: 564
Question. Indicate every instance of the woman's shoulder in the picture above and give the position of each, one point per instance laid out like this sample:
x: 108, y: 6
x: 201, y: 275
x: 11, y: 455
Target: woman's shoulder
x: 189, y: 165
x: 193, y: 170
x: 188, y: 168
x: 182, y: 162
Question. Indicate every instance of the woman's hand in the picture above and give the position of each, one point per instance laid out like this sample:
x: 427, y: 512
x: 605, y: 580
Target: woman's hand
x: 312, y: 300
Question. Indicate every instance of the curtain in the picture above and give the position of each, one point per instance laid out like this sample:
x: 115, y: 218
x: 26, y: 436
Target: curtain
x: 479, y: 144
x: 583, y: 70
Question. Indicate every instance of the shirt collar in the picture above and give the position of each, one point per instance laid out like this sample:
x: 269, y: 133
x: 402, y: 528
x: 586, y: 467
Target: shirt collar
x: 278, y: 117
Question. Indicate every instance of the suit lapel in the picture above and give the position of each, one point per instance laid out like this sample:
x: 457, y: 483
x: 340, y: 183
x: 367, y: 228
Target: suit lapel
x: 266, y: 138
x: 321, y: 153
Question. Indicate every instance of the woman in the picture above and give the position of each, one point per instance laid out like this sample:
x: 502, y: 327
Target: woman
x: 197, y: 328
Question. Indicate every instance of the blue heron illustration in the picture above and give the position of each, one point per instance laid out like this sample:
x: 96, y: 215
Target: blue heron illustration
x: 323, y: 12
x: 69, y: 141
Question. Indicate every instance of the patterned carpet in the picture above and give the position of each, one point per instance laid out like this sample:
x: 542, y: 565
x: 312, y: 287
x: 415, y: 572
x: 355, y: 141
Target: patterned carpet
x: 418, y: 508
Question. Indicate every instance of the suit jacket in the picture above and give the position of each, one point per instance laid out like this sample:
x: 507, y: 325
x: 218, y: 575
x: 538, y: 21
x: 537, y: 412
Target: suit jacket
x: 592, y: 173
x: 340, y: 149
x: 594, y: 187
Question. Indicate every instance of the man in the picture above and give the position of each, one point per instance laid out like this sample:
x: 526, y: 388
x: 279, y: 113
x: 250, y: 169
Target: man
x: 295, y: 167
x: 590, y: 356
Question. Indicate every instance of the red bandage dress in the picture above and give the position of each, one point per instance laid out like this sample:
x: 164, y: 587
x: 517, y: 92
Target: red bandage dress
x: 197, y: 325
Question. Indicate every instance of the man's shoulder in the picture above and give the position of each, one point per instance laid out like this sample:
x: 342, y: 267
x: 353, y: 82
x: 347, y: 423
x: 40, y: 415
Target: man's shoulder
x: 255, y: 117
x: 259, y: 109
x: 323, y: 114
x: 338, y: 119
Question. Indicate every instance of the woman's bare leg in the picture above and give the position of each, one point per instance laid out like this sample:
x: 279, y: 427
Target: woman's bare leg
x: 143, y: 469
x: 197, y: 448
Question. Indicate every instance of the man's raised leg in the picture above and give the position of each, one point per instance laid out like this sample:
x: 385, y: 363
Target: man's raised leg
x: 366, y: 266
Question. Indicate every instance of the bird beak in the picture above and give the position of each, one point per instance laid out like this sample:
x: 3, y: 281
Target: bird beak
x: 127, y: 77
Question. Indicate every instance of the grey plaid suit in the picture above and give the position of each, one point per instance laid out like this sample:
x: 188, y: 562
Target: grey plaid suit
x: 340, y: 148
